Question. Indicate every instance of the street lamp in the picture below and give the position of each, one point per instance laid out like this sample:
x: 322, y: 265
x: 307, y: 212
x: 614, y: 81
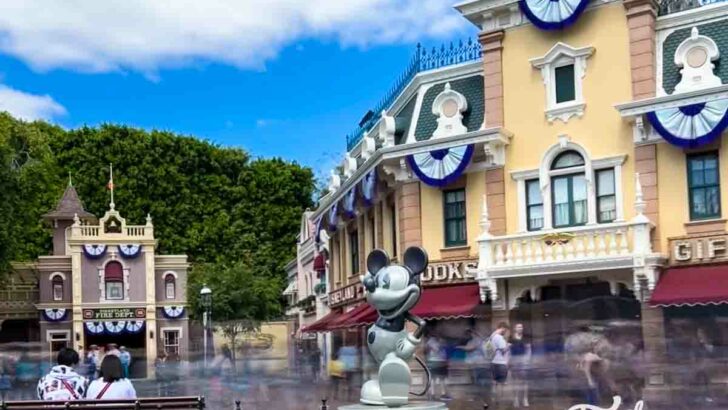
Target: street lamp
x: 206, y: 300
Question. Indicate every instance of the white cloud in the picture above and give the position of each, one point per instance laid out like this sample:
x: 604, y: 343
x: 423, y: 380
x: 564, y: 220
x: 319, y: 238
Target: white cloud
x: 29, y: 106
x: 143, y: 35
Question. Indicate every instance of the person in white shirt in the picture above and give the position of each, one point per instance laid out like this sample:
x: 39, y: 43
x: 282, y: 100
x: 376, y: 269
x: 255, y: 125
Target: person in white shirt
x: 63, y: 383
x: 111, y: 384
x: 500, y: 359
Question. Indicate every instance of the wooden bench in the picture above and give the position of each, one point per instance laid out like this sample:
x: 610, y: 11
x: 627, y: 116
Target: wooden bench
x: 169, y: 403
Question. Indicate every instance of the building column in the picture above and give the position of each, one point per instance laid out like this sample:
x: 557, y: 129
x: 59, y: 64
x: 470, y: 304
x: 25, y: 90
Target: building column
x: 492, y: 48
x: 495, y: 190
x: 641, y: 18
x: 657, y: 388
x: 410, y: 224
x: 152, y: 335
x: 76, y: 300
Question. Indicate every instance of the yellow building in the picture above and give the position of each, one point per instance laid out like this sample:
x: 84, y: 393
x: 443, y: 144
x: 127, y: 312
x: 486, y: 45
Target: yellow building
x: 560, y: 187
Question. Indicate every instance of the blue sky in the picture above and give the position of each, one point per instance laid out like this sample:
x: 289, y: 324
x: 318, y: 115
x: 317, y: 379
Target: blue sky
x: 289, y: 78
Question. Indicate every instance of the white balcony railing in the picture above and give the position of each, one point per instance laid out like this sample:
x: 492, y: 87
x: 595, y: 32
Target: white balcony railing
x: 617, y: 245
x: 118, y: 230
x: 575, y: 243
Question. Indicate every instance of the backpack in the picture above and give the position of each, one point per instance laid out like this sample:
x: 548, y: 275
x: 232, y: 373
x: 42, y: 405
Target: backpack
x: 489, y: 349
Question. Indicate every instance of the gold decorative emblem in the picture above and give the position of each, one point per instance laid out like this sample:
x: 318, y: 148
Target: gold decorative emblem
x: 561, y: 238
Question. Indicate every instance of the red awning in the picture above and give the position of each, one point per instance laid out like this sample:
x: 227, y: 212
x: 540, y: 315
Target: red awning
x: 359, y: 316
x: 448, y: 302
x: 691, y: 286
x: 319, y: 263
x: 321, y: 324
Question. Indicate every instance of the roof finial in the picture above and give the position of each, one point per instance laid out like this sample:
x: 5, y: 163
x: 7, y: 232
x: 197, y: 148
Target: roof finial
x: 70, y: 180
x: 110, y: 185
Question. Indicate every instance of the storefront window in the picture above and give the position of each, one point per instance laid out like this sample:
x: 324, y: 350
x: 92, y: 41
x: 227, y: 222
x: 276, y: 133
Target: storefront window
x: 704, y: 186
x: 171, y: 341
x: 114, y: 279
x: 455, y: 226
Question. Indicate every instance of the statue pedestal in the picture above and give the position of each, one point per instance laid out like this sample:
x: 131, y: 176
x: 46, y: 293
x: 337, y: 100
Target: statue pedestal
x: 417, y: 405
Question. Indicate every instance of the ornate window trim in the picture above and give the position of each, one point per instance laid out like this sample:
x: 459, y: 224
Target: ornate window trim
x: 560, y: 55
x: 166, y: 281
x: 102, y: 281
x: 544, y: 174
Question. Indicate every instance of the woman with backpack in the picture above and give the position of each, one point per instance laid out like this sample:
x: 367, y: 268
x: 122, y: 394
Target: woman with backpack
x: 111, y: 384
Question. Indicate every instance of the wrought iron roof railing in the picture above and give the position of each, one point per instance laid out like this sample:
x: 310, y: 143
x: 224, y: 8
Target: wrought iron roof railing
x: 675, y: 6
x: 422, y: 60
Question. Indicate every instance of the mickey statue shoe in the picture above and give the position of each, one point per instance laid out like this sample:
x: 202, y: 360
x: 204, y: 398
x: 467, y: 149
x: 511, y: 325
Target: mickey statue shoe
x: 393, y: 290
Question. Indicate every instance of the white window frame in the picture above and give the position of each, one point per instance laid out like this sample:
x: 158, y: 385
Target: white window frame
x: 545, y: 173
x: 164, y: 281
x: 102, y: 282
x: 163, y: 331
x: 560, y: 55
x: 51, y: 278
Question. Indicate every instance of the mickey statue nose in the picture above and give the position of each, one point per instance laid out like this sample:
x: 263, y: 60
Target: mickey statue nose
x: 369, y: 284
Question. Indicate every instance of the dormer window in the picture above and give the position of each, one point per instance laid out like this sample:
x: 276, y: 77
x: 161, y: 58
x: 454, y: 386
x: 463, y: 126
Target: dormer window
x: 562, y: 70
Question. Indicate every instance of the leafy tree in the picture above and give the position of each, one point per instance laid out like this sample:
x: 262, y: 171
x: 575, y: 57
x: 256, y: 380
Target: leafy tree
x: 230, y: 214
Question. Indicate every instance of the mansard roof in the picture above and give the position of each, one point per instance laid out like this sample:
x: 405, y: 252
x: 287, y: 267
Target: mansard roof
x: 68, y: 206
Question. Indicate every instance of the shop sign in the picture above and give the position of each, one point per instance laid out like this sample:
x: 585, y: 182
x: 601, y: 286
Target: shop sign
x: 114, y: 313
x: 695, y: 250
x: 346, y: 295
x: 441, y: 273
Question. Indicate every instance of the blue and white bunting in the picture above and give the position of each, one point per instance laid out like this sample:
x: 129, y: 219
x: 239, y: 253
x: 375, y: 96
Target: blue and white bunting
x: 332, y: 219
x: 441, y: 167
x: 369, y: 187
x: 130, y: 250
x: 115, y: 327
x: 552, y: 14
x: 350, y: 203
x: 95, y: 328
x: 134, y: 326
x: 54, y: 315
x: 173, y: 312
x: 691, y: 125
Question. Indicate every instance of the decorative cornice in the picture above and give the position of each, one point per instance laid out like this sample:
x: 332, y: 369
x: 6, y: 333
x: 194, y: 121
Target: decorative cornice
x: 495, y: 135
x: 640, y: 107
x: 701, y: 15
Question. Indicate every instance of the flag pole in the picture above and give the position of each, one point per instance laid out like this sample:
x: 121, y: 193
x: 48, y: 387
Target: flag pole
x: 111, y: 184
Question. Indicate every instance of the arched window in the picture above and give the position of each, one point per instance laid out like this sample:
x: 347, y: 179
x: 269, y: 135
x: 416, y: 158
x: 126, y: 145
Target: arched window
x: 568, y: 190
x: 114, y: 280
x: 57, y: 286
x: 170, y: 286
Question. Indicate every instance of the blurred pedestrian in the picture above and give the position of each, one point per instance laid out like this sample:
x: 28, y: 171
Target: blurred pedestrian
x: 478, y: 364
x: 62, y: 383
x: 6, y: 382
x: 27, y: 373
x: 336, y: 374
x: 436, y: 358
x: 497, y: 349
x: 160, y: 370
x: 592, y: 367
x: 314, y: 361
x: 90, y: 362
x: 125, y: 358
x: 520, y: 364
x: 112, y: 384
x: 704, y: 354
x: 112, y: 349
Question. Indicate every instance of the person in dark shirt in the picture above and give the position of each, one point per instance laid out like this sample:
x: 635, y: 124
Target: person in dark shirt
x: 520, y: 364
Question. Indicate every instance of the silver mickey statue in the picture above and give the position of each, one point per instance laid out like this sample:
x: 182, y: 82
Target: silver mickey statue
x: 393, y: 290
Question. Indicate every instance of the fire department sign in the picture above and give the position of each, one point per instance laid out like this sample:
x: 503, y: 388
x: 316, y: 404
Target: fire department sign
x: 114, y: 313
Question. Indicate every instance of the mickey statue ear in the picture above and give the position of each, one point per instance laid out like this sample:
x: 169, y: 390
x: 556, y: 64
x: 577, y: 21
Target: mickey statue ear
x: 376, y: 260
x: 415, y: 258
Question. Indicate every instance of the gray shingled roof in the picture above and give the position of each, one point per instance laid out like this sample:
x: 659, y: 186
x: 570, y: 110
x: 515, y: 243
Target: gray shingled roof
x: 68, y: 206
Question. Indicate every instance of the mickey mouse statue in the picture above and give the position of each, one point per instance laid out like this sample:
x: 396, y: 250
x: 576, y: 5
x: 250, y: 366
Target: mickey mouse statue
x: 392, y: 290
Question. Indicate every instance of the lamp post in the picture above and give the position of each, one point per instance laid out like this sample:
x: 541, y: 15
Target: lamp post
x: 206, y: 299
